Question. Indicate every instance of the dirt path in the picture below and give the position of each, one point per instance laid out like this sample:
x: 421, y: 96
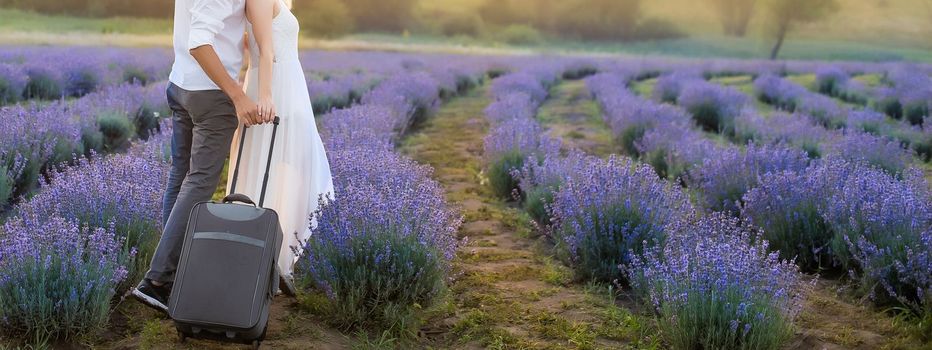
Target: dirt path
x: 509, y: 291
x: 574, y: 116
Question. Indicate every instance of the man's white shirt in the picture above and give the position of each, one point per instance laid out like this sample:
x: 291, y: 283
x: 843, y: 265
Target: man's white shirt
x: 219, y: 23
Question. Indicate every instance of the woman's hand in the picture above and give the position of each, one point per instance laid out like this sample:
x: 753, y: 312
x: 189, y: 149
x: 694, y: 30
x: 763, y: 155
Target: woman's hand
x: 266, y: 110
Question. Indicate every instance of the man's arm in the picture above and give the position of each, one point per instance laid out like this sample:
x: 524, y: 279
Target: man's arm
x: 207, y: 58
x: 206, y: 21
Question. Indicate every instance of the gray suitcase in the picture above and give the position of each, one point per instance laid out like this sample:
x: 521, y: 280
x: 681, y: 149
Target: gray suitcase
x: 228, y: 273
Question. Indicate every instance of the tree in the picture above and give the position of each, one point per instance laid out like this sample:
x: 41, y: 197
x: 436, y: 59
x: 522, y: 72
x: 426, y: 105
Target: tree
x: 381, y: 15
x: 735, y: 15
x: 324, y: 18
x: 788, y: 13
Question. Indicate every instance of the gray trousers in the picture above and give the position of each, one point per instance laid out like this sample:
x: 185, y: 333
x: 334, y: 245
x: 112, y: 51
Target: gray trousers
x: 203, y: 123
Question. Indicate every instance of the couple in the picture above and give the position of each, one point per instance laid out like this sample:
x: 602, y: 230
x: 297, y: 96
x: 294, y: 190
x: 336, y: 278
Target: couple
x: 208, y: 108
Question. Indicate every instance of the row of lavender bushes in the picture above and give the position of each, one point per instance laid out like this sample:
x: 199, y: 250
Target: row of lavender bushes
x: 828, y: 115
x: 381, y: 251
x: 861, y: 209
x: 614, y: 219
x: 38, y: 137
x: 68, y: 251
x: 52, y: 73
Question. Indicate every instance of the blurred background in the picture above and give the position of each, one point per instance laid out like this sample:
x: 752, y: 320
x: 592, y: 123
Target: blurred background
x: 794, y: 29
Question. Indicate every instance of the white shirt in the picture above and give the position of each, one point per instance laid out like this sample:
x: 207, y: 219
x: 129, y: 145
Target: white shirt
x: 219, y: 23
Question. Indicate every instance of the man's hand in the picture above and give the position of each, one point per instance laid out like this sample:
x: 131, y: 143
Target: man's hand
x: 246, y: 110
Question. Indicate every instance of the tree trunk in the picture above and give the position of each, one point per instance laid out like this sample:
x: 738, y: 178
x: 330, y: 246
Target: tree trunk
x: 781, y: 35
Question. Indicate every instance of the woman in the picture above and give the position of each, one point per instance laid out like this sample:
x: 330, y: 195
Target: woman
x: 299, y: 173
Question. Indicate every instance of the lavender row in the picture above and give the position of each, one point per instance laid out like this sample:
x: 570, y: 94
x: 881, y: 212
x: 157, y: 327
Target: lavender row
x: 77, y: 244
x: 386, y: 241
x: 35, y: 138
x: 52, y: 73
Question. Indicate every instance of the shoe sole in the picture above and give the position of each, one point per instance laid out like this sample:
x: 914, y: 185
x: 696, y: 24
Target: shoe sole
x: 149, y: 301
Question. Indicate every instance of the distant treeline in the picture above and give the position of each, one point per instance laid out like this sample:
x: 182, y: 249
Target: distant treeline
x: 96, y: 8
x: 509, y: 20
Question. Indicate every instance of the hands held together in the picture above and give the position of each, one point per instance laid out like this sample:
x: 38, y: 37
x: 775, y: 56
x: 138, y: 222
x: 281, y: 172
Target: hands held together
x: 252, y: 113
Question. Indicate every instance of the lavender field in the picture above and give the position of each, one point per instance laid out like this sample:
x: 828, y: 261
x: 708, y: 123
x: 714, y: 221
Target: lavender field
x: 504, y: 202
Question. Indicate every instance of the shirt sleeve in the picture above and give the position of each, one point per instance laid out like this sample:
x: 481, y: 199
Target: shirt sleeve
x: 207, y: 20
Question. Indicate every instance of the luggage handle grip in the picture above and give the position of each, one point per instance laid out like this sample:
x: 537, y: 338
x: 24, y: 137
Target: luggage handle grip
x: 236, y: 197
x: 268, y: 165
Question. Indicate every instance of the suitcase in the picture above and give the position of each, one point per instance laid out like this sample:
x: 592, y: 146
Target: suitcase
x: 228, y: 273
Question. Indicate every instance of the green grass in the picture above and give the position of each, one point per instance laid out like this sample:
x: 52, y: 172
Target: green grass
x: 15, y: 20
x: 698, y: 46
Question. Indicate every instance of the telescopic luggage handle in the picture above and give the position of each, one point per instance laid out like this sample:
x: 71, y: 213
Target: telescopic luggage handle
x: 234, y: 197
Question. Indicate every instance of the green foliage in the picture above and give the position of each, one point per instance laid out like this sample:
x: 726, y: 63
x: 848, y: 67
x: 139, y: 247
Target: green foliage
x: 520, y: 34
x: 6, y: 186
x: 704, y: 320
x: 42, y: 86
x: 381, y: 15
x: 587, y: 19
x: 8, y: 94
x: 386, y: 292
x: 95, y: 8
x: 537, y: 203
x: 325, y: 18
x: 500, y: 174
x: 116, y: 129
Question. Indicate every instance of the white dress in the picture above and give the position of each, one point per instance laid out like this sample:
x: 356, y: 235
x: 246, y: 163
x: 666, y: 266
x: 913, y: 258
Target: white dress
x: 300, y: 172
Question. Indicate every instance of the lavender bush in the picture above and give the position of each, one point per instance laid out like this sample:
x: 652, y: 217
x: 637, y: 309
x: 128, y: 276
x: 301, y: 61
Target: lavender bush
x: 673, y: 150
x: 788, y: 206
x: 384, y: 244
x: 867, y: 121
x: 779, y: 92
x: 882, y: 231
x: 823, y: 110
x: 882, y: 152
x: 508, y: 145
x: 539, y: 180
x: 722, y: 180
x: 610, y: 212
x: 715, y: 285
x: 12, y: 82
x: 32, y: 140
x: 782, y: 128
x: 669, y: 86
x: 714, y: 107
x: 57, y: 279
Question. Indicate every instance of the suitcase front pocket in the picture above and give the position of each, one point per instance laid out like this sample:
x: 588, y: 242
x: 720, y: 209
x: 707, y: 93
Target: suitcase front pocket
x: 222, y: 279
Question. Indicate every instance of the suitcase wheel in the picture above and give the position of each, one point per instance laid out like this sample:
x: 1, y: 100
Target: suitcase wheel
x: 256, y: 344
x: 182, y: 338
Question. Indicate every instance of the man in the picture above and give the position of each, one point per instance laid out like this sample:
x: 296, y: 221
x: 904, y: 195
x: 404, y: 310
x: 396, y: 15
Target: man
x: 207, y: 105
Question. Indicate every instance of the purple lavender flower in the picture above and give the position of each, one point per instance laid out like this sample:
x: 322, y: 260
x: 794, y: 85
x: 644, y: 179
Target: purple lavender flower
x: 882, y: 227
x: 12, y: 82
x: 669, y: 86
x: 714, y: 284
x: 57, y: 279
x: 714, y: 107
x: 882, y: 152
x: 781, y: 93
x: 387, y: 239
x: 674, y: 149
x: 788, y: 206
x: 823, y: 110
x: 782, y: 128
x: 610, y: 212
x: 722, y: 180
x: 866, y: 120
